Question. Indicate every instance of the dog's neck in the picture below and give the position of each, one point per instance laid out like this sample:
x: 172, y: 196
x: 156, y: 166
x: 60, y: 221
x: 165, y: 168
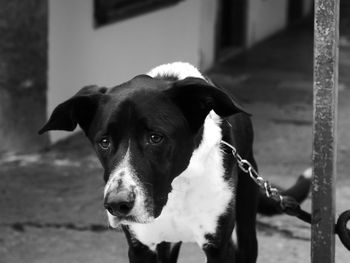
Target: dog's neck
x: 199, y: 195
x: 211, y: 136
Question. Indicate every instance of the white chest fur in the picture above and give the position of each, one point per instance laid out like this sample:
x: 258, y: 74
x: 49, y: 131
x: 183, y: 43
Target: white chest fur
x: 199, y: 196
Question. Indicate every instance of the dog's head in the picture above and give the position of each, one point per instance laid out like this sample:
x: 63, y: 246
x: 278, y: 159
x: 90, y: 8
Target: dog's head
x: 144, y: 132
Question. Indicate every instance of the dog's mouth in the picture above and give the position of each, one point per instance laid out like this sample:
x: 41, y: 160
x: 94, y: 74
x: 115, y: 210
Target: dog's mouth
x: 142, y: 210
x: 116, y: 222
x: 133, y: 219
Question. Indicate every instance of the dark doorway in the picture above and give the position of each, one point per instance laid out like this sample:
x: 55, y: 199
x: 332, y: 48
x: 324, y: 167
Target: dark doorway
x: 295, y: 11
x: 231, y: 30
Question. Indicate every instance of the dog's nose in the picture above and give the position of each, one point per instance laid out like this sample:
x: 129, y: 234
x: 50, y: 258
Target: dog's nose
x: 120, y: 203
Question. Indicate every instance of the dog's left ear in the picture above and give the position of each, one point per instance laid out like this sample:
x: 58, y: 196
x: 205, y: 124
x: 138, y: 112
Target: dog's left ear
x: 197, y: 97
x: 80, y: 109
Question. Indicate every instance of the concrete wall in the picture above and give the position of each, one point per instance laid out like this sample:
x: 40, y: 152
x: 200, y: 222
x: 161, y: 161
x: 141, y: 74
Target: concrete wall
x: 23, y: 82
x: 80, y: 54
x: 264, y: 18
x: 207, y: 33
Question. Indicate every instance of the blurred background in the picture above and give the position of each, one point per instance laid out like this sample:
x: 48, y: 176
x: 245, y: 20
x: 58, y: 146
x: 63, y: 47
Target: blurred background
x: 51, y: 185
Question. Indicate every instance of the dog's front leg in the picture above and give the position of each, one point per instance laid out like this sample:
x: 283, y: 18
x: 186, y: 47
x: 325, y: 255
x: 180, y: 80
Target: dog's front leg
x: 219, y: 247
x: 141, y: 254
x: 138, y: 252
x: 168, y: 252
x: 247, y: 201
x: 220, y: 253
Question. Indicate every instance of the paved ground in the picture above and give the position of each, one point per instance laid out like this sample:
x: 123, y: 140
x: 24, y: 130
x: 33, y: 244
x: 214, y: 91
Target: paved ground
x: 51, y: 202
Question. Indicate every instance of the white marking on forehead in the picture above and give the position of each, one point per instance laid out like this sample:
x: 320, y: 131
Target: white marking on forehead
x: 180, y: 70
x: 125, y: 174
x: 122, y: 171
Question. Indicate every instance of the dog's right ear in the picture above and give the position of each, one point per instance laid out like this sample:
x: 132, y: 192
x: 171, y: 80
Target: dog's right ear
x: 80, y: 109
x: 196, y: 97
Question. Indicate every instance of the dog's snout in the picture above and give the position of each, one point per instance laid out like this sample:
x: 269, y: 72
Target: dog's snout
x: 120, y: 203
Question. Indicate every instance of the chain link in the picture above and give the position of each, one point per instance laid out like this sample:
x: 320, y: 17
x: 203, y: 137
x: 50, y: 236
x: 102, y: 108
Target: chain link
x: 289, y: 205
x: 248, y: 168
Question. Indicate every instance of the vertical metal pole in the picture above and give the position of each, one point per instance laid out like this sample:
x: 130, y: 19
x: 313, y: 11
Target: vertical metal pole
x: 326, y: 36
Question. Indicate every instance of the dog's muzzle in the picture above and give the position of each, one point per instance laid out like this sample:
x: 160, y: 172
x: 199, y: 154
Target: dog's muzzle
x: 120, y: 203
x: 125, y: 201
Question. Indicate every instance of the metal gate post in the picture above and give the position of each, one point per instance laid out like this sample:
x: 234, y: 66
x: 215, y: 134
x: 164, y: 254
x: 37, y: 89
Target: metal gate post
x: 326, y: 35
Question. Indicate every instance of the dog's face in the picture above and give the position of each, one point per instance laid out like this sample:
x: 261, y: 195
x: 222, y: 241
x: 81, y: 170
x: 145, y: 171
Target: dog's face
x: 144, y: 132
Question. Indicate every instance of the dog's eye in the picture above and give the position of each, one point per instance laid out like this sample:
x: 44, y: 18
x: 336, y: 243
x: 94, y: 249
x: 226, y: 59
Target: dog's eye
x: 104, y: 143
x: 155, y: 138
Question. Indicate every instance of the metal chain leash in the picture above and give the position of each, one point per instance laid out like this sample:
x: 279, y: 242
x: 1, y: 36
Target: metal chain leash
x: 287, y: 203
x: 248, y: 168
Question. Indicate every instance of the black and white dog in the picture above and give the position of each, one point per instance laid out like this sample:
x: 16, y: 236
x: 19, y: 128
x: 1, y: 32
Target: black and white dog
x: 169, y: 179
